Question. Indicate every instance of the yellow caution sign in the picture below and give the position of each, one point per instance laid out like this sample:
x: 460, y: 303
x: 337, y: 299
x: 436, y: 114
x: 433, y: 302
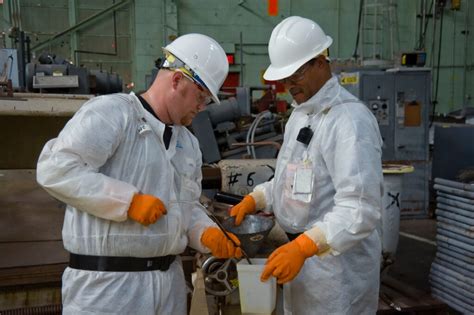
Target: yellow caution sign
x: 349, y: 79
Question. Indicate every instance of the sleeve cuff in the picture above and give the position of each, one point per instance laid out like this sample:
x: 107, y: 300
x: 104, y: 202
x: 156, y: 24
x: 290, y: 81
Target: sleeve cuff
x: 259, y: 197
x: 318, y: 237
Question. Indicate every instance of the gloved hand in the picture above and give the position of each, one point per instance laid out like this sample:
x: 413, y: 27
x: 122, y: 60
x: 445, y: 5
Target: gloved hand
x: 146, y: 209
x: 240, y: 210
x: 220, y: 246
x: 286, y: 261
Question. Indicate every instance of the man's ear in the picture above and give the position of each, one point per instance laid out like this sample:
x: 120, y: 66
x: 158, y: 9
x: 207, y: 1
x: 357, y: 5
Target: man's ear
x: 175, y: 79
x: 321, y: 61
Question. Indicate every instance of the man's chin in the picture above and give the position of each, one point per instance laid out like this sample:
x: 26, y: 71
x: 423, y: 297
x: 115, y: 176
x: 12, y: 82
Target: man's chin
x: 298, y: 98
x: 186, y: 121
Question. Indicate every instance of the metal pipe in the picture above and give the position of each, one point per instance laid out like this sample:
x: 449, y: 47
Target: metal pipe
x: 338, y: 26
x: 81, y: 24
x: 163, y: 17
x: 453, y: 54
x: 374, y: 37
x: 18, y: 12
x: 10, y: 13
x: 241, y: 61
x: 433, y: 36
x: 21, y: 61
x: 391, y: 28
x: 423, y: 16
x: 277, y: 145
x: 466, y: 34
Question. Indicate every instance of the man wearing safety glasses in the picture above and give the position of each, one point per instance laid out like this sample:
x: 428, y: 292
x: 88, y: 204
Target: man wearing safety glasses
x: 327, y: 189
x: 130, y: 173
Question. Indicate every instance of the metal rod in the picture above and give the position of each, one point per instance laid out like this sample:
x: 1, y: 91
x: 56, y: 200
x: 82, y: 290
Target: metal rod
x: 423, y: 17
x: 466, y: 34
x: 277, y: 145
x: 214, y: 218
x: 241, y: 61
x: 218, y: 223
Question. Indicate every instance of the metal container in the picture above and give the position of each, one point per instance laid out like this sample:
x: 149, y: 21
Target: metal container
x: 251, y: 232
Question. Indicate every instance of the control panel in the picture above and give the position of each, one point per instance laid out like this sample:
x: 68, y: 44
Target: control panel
x: 380, y: 109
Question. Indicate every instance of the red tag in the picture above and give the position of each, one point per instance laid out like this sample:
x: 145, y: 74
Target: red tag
x: 273, y: 7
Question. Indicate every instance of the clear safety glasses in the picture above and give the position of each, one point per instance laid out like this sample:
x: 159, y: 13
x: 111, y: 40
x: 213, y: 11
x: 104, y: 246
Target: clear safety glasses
x: 175, y: 64
x: 299, y: 74
x: 204, y: 96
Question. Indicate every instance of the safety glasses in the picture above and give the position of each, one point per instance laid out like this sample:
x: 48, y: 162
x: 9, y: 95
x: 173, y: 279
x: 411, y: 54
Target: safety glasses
x: 204, y: 96
x: 299, y: 74
x: 173, y: 63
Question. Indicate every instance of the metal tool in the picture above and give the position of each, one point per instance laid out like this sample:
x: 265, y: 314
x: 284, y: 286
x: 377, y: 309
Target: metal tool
x: 390, y: 302
x: 214, y: 218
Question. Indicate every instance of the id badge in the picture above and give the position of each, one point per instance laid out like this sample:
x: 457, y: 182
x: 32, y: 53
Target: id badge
x: 303, y: 182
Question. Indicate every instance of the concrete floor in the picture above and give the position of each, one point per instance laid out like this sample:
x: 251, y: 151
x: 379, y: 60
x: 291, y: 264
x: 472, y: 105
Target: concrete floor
x: 415, y: 253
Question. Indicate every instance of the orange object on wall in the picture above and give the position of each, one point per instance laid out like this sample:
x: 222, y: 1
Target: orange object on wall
x: 412, y: 114
x: 273, y: 7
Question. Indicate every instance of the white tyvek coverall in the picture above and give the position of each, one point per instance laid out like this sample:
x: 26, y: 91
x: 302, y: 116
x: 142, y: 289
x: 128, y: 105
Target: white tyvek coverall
x: 346, y: 203
x: 111, y: 149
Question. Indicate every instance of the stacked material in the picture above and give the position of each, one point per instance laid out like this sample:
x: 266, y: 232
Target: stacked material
x: 452, y: 272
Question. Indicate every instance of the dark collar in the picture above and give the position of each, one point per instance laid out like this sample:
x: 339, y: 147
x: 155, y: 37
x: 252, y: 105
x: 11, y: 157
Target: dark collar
x: 167, y: 132
x: 147, y: 106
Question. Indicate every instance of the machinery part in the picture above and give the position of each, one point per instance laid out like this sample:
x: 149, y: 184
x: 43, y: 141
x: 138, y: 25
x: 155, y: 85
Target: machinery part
x: 276, y: 144
x: 66, y: 77
x: 219, y: 275
x: 106, y: 82
x: 63, y: 77
x: 225, y: 197
x: 227, y: 110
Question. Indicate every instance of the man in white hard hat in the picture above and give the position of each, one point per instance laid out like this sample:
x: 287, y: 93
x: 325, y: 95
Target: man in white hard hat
x: 130, y: 172
x: 327, y: 189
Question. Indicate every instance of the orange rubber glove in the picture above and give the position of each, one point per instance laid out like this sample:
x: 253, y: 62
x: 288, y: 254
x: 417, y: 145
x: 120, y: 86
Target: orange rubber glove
x: 220, y: 246
x: 240, y: 210
x: 286, y: 261
x: 146, y: 209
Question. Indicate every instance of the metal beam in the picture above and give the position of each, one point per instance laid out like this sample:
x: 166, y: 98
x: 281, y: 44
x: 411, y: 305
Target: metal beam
x: 72, y: 10
x: 82, y: 24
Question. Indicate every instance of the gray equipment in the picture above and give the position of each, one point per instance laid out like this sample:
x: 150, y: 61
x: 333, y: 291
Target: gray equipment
x: 55, y: 75
x: 219, y: 129
x: 400, y: 100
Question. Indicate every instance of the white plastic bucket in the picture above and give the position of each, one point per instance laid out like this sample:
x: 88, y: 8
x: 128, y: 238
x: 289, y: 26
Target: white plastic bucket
x: 392, y: 181
x: 256, y: 297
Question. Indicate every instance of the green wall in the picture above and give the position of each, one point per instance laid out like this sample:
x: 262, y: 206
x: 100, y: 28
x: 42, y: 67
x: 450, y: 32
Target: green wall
x: 144, y: 26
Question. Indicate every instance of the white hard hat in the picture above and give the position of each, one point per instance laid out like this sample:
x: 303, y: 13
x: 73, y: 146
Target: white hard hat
x: 294, y: 41
x: 205, y: 57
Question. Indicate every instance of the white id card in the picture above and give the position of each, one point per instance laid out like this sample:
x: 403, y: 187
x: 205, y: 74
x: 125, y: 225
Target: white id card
x: 303, y: 182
